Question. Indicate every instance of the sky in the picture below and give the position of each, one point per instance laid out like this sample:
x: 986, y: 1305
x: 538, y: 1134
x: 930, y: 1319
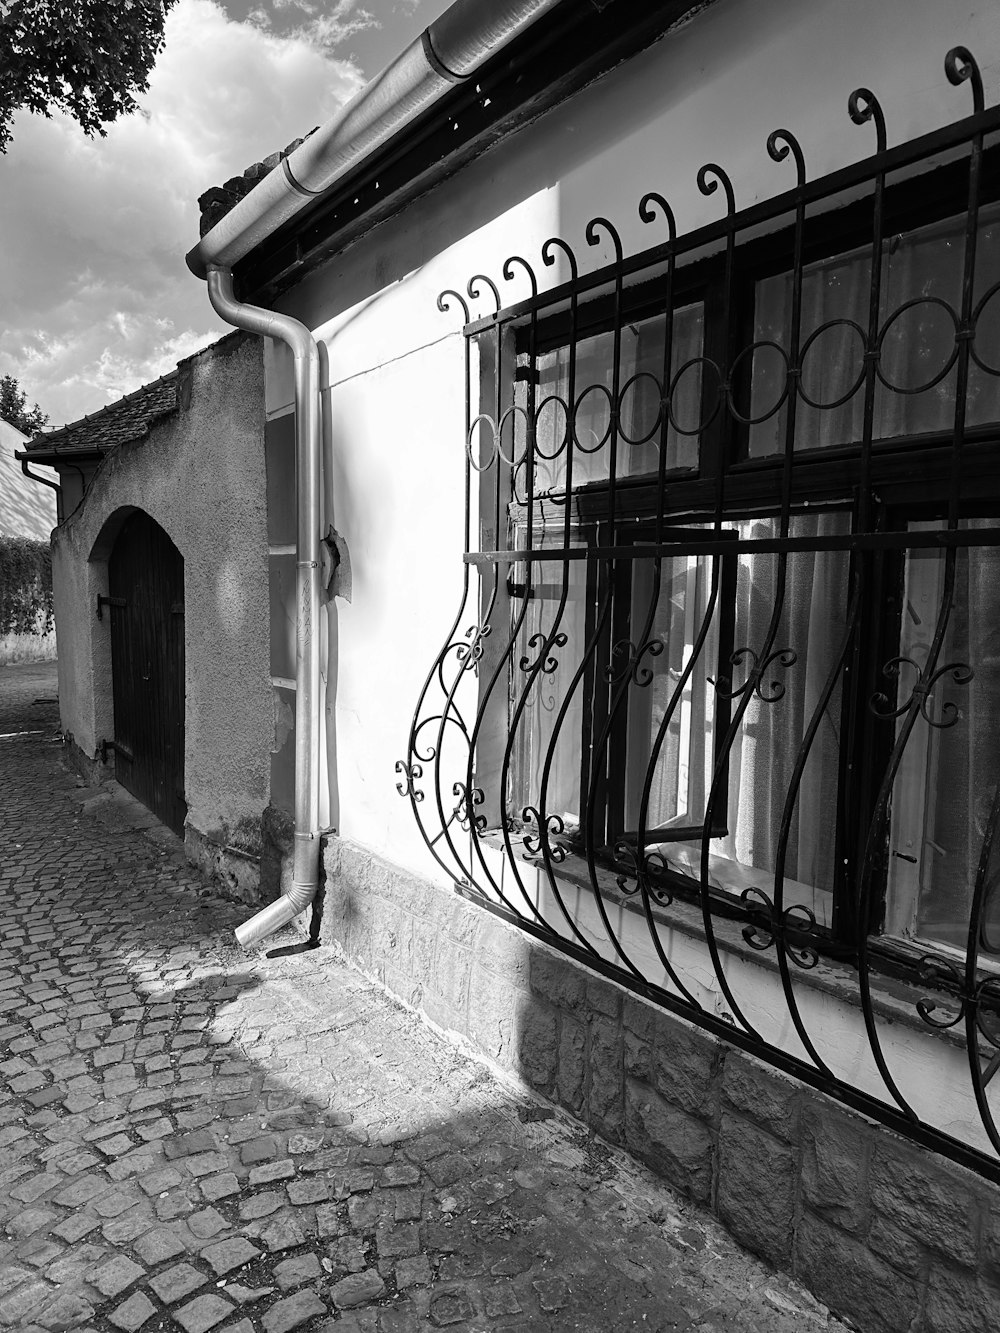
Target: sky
x: 96, y: 296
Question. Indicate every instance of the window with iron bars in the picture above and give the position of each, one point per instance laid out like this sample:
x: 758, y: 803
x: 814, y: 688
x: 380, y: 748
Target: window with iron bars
x: 736, y: 640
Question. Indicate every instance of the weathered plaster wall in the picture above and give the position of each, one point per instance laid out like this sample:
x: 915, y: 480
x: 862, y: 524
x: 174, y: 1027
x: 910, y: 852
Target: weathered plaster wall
x: 393, y: 364
x: 200, y: 475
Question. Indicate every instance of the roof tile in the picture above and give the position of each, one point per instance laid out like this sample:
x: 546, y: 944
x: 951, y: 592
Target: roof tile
x: 118, y: 423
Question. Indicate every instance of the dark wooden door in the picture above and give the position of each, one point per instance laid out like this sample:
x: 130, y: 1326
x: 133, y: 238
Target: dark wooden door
x: 146, y: 583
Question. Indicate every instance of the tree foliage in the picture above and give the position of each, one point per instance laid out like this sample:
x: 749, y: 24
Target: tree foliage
x: 25, y: 586
x: 14, y: 408
x: 87, y: 57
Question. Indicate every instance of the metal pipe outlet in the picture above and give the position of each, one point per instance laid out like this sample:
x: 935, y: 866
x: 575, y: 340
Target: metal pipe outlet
x: 305, y: 356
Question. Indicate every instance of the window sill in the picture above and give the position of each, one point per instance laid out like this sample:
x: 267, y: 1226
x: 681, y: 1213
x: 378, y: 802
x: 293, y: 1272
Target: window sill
x: 894, y: 999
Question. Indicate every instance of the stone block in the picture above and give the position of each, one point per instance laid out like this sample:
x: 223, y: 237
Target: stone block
x: 135, y: 1312
x: 537, y: 1042
x: 491, y: 1016
x: 297, y: 1271
x: 572, y: 1063
x: 935, y: 1201
x: 852, y: 1281
x: 293, y: 1312
x: 606, y: 1100
x: 604, y: 997
x: 756, y: 1188
x: 177, y: 1282
x: 836, y: 1151
x: 897, y: 1248
x: 685, y: 1066
x: 558, y: 980
x: 461, y: 921
x: 677, y: 1145
x: 454, y: 974
x: 203, y: 1313
x: 505, y: 951
x: 357, y: 1289
x: 761, y: 1094
x: 638, y: 1057
x: 115, y: 1275
x: 958, y: 1303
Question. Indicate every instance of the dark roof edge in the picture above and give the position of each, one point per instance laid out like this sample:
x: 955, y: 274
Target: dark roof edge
x: 46, y: 444
x: 51, y: 439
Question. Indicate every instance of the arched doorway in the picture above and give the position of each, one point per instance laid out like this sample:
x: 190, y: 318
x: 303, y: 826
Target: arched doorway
x: 146, y: 587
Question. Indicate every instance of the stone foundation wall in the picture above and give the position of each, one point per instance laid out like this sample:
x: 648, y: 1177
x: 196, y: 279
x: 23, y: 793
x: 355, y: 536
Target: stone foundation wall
x: 886, y: 1233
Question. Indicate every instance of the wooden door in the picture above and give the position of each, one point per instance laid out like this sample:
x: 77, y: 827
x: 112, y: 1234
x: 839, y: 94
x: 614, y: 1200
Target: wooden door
x: 146, y: 583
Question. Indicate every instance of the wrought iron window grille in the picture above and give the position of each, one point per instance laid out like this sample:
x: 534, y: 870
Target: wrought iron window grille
x: 739, y: 495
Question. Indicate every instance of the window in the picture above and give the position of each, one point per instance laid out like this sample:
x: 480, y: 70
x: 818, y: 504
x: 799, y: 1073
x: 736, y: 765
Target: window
x: 720, y: 707
x: 729, y: 718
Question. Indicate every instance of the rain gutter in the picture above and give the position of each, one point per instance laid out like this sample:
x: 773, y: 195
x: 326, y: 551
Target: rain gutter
x: 305, y: 359
x: 448, y: 52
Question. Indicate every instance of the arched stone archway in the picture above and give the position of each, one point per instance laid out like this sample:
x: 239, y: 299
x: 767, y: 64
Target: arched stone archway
x: 145, y: 603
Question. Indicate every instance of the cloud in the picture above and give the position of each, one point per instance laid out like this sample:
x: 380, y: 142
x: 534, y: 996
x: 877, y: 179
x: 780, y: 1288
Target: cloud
x: 96, y: 296
x: 321, y: 27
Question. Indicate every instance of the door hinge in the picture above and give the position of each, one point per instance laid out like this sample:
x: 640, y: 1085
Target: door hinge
x: 102, y: 602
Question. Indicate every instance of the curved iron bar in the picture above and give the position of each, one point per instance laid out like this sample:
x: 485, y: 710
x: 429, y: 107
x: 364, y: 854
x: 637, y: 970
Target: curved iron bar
x: 960, y: 65
x: 475, y: 290
x: 551, y: 853
x: 519, y: 620
x: 879, y: 818
x: 848, y: 394
x: 508, y: 272
x: 785, y: 826
x: 884, y: 331
x: 645, y: 862
x: 973, y: 1019
x: 863, y: 106
x: 779, y: 144
x: 500, y: 670
x: 981, y: 305
x: 444, y: 305
x: 717, y: 406
x: 746, y: 353
x: 411, y: 767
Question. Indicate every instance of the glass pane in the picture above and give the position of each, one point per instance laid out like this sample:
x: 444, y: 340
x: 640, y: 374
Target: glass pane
x: 763, y: 754
x: 946, y: 783
x: 543, y: 743
x: 922, y: 267
x: 580, y: 434
x: 682, y: 757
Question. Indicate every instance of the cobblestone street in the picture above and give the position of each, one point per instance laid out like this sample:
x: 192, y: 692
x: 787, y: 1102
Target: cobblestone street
x: 193, y: 1137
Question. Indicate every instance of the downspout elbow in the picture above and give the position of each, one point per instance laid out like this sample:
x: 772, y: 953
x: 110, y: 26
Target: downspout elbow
x: 301, y: 891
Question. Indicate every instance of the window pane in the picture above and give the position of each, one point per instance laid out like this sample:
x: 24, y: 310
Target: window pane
x: 541, y: 741
x: 810, y: 631
x: 945, y: 786
x: 923, y: 266
x: 586, y: 431
x: 682, y: 759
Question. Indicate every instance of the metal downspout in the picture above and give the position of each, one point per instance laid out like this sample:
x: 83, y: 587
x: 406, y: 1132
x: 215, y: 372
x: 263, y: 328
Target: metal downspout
x: 299, y: 340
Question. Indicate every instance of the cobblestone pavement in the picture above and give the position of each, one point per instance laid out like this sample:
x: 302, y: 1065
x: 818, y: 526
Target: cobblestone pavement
x: 193, y: 1137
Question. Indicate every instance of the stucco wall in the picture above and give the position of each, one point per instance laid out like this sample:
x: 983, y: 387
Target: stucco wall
x: 393, y: 364
x: 200, y: 475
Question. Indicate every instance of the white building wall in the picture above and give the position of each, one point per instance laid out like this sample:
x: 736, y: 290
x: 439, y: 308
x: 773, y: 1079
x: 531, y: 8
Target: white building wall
x: 393, y: 364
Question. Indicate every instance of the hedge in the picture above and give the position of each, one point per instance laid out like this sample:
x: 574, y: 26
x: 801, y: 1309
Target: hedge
x: 25, y: 586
